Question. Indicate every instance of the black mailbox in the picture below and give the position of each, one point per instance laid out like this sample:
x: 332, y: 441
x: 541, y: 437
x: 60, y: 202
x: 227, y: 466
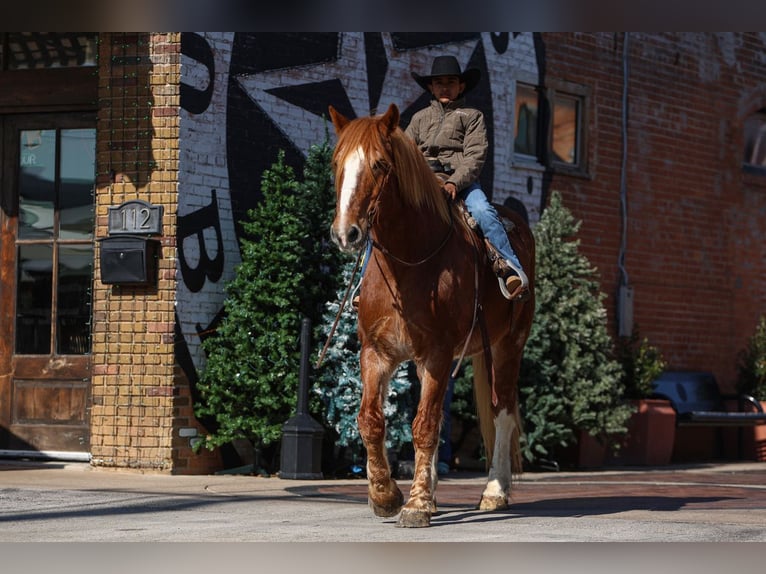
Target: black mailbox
x: 129, y: 260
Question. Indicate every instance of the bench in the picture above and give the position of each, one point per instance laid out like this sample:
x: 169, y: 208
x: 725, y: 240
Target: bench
x: 697, y: 401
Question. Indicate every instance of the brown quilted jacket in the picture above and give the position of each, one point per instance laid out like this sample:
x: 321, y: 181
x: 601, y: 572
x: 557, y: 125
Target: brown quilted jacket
x: 456, y: 135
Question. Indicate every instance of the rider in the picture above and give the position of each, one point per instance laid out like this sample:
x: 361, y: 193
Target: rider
x: 453, y: 138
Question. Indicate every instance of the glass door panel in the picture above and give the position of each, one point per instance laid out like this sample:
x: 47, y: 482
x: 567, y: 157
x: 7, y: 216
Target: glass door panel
x: 75, y: 270
x: 34, y: 282
x: 77, y: 164
x: 37, y: 183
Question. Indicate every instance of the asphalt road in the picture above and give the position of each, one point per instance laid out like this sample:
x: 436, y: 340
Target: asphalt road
x: 55, y: 502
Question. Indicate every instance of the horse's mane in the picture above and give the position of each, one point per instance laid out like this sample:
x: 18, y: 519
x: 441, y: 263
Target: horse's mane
x: 417, y: 184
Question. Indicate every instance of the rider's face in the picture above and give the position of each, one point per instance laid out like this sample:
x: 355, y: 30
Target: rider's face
x: 446, y: 88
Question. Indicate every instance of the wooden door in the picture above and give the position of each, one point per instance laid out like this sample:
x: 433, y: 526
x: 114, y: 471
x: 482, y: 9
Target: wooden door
x: 46, y: 268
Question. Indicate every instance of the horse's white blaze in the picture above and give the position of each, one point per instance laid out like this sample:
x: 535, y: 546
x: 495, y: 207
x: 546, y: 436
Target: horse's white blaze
x: 499, y: 481
x: 351, y: 172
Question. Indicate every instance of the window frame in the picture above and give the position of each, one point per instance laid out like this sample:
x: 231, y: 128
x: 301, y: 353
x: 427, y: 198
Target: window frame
x: 13, y: 127
x: 536, y: 156
x: 581, y: 96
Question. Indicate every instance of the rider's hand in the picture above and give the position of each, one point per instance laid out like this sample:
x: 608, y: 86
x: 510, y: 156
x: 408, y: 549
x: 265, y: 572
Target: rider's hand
x: 450, y: 189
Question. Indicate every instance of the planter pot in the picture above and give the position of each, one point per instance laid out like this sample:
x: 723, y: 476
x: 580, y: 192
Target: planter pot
x: 587, y: 452
x: 754, y: 441
x: 651, y: 435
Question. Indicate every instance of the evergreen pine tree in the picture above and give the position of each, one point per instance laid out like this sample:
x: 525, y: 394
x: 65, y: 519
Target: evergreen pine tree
x: 322, y: 259
x: 250, y: 379
x: 570, y: 379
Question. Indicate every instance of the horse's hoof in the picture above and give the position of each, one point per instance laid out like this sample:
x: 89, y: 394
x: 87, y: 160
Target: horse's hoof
x: 388, y: 508
x: 414, y: 519
x: 493, y: 503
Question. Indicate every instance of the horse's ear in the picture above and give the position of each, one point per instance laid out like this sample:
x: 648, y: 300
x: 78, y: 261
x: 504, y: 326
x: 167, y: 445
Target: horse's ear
x: 338, y: 120
x: 391, y: 118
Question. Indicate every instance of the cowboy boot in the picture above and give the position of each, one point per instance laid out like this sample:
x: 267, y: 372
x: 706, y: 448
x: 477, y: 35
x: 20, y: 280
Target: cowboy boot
x: 513, y: 282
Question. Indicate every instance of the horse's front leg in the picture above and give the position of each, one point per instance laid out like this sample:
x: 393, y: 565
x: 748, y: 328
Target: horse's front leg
x: 425, y: 437
x: 385, y: 498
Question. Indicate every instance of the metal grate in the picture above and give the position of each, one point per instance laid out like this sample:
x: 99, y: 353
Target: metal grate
x: 39, y: 50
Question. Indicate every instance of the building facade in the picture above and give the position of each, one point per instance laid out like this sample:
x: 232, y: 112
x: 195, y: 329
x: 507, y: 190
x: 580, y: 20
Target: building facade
x: 128, y: 161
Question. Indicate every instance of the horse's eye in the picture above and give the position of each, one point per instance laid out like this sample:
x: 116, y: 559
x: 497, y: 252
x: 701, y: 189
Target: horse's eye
x: 380, y: 165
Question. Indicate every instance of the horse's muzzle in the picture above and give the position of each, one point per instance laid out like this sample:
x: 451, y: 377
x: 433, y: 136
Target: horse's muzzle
x: 351, y: 238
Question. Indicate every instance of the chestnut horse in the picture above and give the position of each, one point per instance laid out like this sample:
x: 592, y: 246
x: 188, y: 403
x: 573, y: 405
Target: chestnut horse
x: 426, y: 288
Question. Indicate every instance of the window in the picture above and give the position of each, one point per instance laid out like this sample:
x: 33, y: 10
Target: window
x: 55, y: 240
x: 755, y: 142
x: 565, y: 139
x: 567, y: 149
x: 554, y: 133
x: 526, y: 131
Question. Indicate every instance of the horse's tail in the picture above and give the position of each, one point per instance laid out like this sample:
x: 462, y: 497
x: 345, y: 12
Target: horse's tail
x: 482, y: 389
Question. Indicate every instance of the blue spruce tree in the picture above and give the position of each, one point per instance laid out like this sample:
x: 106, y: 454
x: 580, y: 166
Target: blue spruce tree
x: 339, y: 384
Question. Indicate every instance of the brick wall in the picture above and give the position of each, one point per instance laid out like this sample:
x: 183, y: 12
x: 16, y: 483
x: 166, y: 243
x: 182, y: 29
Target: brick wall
x: 136, y: 401
x: 190, y: 121
x: 695, y: 249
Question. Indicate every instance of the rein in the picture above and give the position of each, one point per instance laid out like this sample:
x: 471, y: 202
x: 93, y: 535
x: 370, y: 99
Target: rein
x: 340, y: 310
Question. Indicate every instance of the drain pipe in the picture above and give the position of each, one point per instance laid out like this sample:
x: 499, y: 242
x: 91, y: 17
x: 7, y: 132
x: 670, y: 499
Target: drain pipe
x: 625, y: 291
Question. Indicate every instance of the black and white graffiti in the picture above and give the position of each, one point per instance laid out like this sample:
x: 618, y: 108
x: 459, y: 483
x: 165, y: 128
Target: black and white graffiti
x: 246, y: 96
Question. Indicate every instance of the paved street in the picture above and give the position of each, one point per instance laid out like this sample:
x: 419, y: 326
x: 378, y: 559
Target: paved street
x: 262, y: 519
x: 55, y: 502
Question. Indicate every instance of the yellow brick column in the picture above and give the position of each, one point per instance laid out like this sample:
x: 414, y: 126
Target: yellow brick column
x: 133, y: 326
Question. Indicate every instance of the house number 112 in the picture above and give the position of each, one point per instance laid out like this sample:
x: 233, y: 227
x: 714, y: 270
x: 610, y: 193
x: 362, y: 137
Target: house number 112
x: 137, y: 217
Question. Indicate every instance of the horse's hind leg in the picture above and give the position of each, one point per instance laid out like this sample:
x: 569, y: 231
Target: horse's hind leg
x: 385, y: 498
x: 500, y: 426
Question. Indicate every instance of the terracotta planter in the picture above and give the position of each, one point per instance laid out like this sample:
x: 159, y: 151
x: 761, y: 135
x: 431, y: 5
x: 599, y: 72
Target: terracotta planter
x: 587, y: 452
x: 651, y: 435
x: 754, y: 441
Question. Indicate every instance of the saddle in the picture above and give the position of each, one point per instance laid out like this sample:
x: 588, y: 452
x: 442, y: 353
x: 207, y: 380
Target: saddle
x: 499, y: 266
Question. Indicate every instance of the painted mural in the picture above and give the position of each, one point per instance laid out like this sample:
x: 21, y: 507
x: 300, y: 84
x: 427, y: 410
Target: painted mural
x: 246, y: 96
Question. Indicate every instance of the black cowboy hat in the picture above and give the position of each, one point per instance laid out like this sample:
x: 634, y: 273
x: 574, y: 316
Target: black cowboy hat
x: 448, y: 66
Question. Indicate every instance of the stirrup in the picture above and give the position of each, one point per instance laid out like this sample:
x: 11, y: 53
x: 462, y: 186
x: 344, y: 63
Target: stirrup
x: 505, y: 269
x: 518, y: 292
x: 519, y: 272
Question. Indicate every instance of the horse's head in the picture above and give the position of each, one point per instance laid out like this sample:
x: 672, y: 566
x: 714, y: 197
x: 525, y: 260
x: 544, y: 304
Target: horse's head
x: 362, y: 163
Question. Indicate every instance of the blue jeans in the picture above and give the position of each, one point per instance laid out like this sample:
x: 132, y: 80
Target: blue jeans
x: 489, y: 222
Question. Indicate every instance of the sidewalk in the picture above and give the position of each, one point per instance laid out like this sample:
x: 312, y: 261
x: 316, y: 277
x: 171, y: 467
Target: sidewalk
x: 73, y: 502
